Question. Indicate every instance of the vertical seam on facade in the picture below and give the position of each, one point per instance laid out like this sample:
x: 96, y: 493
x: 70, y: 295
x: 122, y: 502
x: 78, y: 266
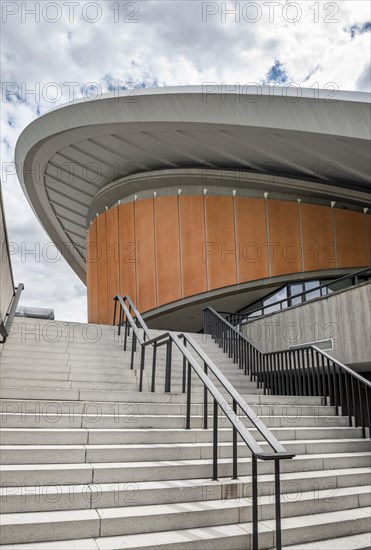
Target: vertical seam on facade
x: 155, y: 249
x: 136, y: 250
x: 180, y: 249
x: 95, y: 222
x: 268, y: 237
x: 237, y: 255
x: 367, y: 242
x: 106, y: 262
x: 119, y: 248
x: 116, y: 248
x: 100, y: 252
x: 301, y: 238
x: 334, y: 232
x: 205, y: 244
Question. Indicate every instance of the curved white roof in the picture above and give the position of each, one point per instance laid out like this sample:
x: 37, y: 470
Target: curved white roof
x: 66, y: 157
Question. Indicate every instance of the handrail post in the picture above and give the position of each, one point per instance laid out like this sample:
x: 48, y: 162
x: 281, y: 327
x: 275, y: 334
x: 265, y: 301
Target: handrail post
x: 154, y: 367
x: 168, y: 366
x: 132, y: 352
x: 142, y: 358
x: 184, y: 373
x: 234, y: 444
x: 277, y: 499
x: 114, y: 311
x: 205, y: 400
x: 126, y: 328
x: 188, y: 410
x: 255, y: 534
x: 215, y: 441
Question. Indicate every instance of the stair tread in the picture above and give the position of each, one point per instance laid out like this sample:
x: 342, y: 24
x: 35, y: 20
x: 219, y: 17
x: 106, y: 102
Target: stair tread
x: 214, y: 533
x: 361, y: 541
x: 170, y: 508
x: 80, y: 374
x: 165, y: 463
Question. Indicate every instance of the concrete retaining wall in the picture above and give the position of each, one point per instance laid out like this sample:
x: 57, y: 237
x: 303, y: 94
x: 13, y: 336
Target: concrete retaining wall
x: 344, y: 317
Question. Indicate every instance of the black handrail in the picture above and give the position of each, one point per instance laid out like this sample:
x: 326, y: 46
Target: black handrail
x: 127, y: 310
x: 238, y: 317
x: 303, y: 370
x: 6, y: 324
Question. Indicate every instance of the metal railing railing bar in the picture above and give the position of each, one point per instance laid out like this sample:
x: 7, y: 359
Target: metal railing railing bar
x: 130, y: 318
x: 303, y: 370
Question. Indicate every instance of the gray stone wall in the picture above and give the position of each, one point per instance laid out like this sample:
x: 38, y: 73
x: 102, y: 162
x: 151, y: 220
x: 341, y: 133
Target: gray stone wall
x: 344, y: 317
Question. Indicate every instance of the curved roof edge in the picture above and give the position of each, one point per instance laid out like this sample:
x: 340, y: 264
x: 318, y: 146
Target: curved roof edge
x: 185, y: 127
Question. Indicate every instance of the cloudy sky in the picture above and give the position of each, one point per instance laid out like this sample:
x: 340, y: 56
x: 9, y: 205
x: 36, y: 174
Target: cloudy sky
x: 56, y: 51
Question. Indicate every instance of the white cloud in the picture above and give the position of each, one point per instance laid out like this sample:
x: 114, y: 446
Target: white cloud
x: 173, y: 43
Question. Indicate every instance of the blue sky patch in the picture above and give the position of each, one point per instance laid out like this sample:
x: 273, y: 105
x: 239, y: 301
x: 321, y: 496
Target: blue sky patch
x: 277, y: 73
x: 356, y: 29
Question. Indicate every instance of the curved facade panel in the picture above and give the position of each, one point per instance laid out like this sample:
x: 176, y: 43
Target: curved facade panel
x: 168, y: 248
x: 191, y: 197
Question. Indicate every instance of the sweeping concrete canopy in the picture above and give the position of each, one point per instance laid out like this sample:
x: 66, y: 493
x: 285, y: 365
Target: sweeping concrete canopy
x: 68, y: 158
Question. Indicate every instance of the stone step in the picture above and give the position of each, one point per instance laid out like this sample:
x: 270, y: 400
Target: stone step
x: 82, y: 385
x: 317, y: 438
x: 352, y: 542
x: 115, y: 374
x: 17, y: 392
x: 72, y: 497
x: 75, y: 453
x: 135, y: 420
x: 132, y: 524
x: 94, y: 407
x: 121, y: 471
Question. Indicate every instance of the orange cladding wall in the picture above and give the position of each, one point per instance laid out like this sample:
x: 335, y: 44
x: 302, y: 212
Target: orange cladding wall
x: 145, y: 244
x: 167, y: 249
x: 127, y: 251
x: 92, y: 272
x: 284, y: 237
x: 192, y: 238
x: 161, y: 250
x: 112, y: 254
x: 220, y: 246
x: 319, y: 246
x: 102, y: 269
x: 368, y: 235
x: 251, y: 230
x: 351, y: 239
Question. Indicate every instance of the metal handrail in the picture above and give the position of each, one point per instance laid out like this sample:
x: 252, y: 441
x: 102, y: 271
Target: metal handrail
x: 245, y: 315
x: 303, y: 370
x: 127, y: 309
x: 238, y: 399
x: 6, y: 324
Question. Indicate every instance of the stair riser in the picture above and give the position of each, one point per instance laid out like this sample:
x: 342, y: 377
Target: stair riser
x: 95, y: 419
x: 125, y: 396
x: 42, y: 383
x: 78, y: 497
x: 115, y: 376
x: 325, y: 531
x: 67, y: 407
x: 51, y: 531
x: 329, y: 440
x: 80, y: 454
x: 126, y: 494
x: 120, y: 474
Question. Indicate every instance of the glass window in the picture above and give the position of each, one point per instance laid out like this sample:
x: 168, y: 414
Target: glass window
x: 255, y: 314
x: 276, y: 297
x: 272, y: 308
x: 316, y: 293
x: 296, y: 288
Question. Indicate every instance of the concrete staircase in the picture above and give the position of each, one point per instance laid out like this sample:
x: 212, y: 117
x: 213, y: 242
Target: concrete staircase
x: 88, y: 462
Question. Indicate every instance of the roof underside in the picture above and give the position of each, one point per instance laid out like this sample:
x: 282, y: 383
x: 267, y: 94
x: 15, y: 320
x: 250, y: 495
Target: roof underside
x: 70, y: 154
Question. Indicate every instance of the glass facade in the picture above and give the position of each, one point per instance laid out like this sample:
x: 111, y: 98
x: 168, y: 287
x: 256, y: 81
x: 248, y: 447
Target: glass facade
x: 290, y: 295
